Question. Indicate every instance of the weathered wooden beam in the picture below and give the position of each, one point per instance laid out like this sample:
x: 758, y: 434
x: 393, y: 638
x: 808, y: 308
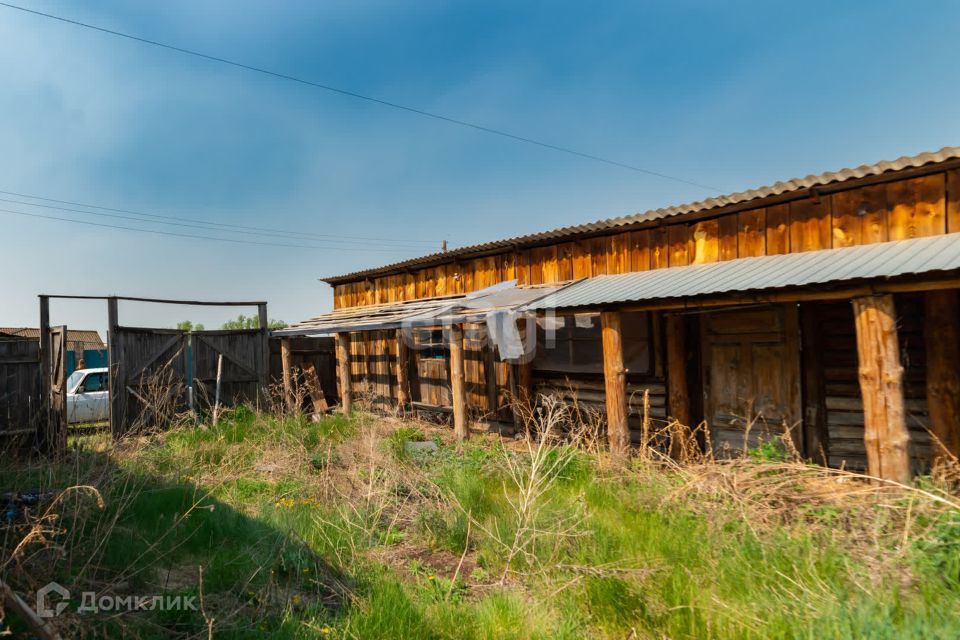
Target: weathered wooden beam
x: 816, y: 442
x: 490, y: 378
x: 286, y: 362
x: 881, y: 385
x: 263, y: 362
x: 678, y: 393
x: 45, y: 373
x: 343, y: 367
x: 615, y: 383
x: 457, y: 386
x: 403, y: 369
x: 312, y: 381
x: 525, y: 367
x: 117, y: 377
x: 942, y: 336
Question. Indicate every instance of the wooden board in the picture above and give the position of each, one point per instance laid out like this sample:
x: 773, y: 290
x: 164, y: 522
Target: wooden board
x: 751, y: 233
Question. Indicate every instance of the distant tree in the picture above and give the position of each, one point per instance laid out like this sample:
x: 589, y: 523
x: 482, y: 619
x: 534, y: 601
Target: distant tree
x: 187, y: 325
x: 251, y: 322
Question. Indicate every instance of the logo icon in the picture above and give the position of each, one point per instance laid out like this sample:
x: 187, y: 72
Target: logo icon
x: 44, y: 609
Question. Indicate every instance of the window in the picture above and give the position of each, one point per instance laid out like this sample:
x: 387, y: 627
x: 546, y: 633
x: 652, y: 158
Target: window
x: 95, y: 382
x: 573, y: 343
x: 430, y: 344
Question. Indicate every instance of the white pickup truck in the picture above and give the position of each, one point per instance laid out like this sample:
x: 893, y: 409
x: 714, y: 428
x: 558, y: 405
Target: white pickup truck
x: 88, y: 396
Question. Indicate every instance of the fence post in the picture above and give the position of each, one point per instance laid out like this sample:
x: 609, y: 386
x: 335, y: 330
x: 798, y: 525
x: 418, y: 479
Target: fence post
x: 116, y: 371
x: 286, y: 361
x: 43, y: 429
x: 264, y: 367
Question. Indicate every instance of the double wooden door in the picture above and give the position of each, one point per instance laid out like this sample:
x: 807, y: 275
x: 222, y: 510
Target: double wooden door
x: 751, y: 376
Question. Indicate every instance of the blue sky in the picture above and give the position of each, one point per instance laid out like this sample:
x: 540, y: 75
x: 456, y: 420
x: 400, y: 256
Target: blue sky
x: 733, y: 95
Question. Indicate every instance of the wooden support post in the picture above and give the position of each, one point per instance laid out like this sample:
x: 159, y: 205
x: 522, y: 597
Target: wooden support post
x: 403, y: 370
x: 615, y: 381
x: 263, y: 366
x: 460, y: 429
x: 881, y: 385
x: 678, y: 391
x: 490, y: 379
x: 286, y: 362
x: 117, y: 376
x: 942, y: 332
x: 46, y: 371
x: 343, y: 366
x: 525, y: 368
x: 816, y: 443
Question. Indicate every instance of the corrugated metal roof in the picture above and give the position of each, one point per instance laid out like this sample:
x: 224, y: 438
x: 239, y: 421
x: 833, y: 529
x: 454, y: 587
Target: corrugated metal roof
x: 82, y: 336
x: 882, y: 260
x: 796, y: 184
x: 368, y: 318
x: 433, y: 311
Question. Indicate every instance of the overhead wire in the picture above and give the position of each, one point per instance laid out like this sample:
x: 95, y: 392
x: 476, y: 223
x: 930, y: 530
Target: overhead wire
x: 225, y: 225
x: 361, y: 243
x: 360, y: 96
x: 198, y: 237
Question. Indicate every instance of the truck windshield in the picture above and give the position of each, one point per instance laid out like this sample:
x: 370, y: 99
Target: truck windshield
x: 74, y: 379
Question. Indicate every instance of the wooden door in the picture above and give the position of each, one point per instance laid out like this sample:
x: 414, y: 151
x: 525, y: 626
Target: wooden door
x: 751, y: 376
x: 433, y: 372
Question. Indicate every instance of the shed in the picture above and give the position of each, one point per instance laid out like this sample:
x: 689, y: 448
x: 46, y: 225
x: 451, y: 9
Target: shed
x: 823, y: 307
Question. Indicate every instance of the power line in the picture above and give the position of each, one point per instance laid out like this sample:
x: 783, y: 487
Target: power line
x: 227, y: 226
x: 362, y: 243
x: 193, y: 236
x: 360, y: 96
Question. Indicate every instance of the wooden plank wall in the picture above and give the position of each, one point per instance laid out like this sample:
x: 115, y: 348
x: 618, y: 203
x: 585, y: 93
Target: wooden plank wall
x: 588, y: 392
x: 19, y: 386
x: 841, y: 388
x: 319, y: 352
x: 921, y: 206
x: 373, y: 373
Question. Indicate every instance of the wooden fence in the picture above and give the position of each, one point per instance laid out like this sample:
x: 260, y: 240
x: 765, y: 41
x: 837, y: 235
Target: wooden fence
x: 19, y: 389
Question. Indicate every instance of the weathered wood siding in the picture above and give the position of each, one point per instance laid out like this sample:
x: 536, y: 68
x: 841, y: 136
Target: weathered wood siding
x: 373, y: 373
x: 588, y: 393
x: 19, y: 386
x: 920, y: 206
x: 319, y: 352
x: 242, y: 364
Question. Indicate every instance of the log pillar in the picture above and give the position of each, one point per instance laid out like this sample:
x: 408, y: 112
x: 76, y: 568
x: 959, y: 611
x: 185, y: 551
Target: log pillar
x: 286, y: 361
x: 457, y: 386
x: 942, y: 337
x: 881, y: 385
x: 403, y: 370
x: 678, y: 400
x: 525, y: 367
x: 615, y: 383
x: 343, y: 367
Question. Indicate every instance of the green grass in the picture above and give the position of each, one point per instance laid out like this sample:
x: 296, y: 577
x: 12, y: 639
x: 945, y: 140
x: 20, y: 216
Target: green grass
x: 285, y: 514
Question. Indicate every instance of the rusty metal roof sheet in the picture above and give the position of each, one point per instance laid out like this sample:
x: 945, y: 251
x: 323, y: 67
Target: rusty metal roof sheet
x: 472, y: 307
x: 865, y: 262
x: 778, y: 188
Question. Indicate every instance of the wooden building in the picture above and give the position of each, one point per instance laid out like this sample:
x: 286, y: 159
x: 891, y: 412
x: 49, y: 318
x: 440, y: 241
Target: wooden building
x: 825, y: 305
